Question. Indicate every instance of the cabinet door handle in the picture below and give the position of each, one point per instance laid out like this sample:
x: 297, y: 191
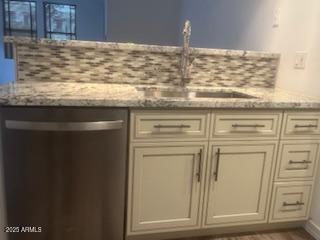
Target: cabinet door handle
x: 171, y: 126
x: 306, y: 126
x: 216, y: 171
x: 248, y: 125
x: 199, y: 166
x: 299, y: 162
x: 297, y: 203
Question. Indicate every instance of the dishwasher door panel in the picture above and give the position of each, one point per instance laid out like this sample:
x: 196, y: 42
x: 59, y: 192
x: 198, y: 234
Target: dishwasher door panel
x: 69, y: 183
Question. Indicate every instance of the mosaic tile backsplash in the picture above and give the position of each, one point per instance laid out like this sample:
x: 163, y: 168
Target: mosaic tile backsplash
x: 79, y: 61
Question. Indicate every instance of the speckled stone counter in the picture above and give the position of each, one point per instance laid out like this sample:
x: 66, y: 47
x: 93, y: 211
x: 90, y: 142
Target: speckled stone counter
x: 115, y: 95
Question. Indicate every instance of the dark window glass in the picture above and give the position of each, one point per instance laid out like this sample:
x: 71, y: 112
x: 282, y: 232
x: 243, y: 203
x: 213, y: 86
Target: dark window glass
x: 60, y: 21
x: 19, y: 20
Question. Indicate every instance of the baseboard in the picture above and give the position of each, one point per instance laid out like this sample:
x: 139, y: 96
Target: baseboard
x: 218, y: 231
x: 313, y: 229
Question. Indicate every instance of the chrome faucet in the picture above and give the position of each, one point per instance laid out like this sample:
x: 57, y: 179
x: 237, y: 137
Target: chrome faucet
x: 185, y: 57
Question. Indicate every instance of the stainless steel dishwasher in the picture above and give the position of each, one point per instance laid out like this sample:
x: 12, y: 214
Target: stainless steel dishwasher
x: 65, y: 172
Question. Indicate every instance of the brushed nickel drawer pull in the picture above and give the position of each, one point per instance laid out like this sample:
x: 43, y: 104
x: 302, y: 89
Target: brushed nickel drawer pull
x: 248, y: 125
x: 216, y: 171
x: 306, y: 126
x: 300, y: 162
x: 297, y: 203
x: 172, y: 126
x: 199, y: 166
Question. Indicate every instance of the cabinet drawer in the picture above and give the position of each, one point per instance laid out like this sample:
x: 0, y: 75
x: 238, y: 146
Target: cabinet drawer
x: 301, y: 125
x: 246, y: 124
x: 291, y: 201
x: 169, y: 125
x: 297, y: 160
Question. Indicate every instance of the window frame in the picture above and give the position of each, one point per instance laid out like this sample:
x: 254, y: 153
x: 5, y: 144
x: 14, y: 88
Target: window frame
x: 49, y: 33
x: 8, y: 31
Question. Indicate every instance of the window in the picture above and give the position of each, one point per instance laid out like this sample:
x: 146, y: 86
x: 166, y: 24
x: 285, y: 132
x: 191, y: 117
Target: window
x: 60, y: 21
x: 20, y: 18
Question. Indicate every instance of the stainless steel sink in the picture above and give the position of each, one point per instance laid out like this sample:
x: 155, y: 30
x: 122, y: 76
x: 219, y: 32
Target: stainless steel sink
x: 167, y: 93
x: 221, y: 94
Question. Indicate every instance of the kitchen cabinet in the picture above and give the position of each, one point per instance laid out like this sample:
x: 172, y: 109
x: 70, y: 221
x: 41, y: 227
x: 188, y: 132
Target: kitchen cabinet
x: 248, y: 125
x: 297, y: 166
x: 199, y: 170
x: 238, y: 183
x: 301, y: 125
x: 166, y: 185
x: 169, y: 125
x: 291, y: 201
x: 298, y: 160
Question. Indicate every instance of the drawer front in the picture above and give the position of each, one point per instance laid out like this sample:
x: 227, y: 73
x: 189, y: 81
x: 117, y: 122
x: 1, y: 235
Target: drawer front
x: 291, y: 202
x: 246, y: 125
x: 169, y: 125
x: 297, y: 160
x: 301, y: 125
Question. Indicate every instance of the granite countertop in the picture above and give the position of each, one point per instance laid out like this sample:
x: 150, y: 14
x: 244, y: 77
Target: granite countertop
x: 137, y: 47
x: 116, y: 95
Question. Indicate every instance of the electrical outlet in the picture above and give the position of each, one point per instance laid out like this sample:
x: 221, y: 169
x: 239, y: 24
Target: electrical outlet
x: 300, y: 60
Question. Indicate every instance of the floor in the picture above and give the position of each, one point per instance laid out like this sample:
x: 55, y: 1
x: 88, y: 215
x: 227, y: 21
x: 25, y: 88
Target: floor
x: 292, y: 234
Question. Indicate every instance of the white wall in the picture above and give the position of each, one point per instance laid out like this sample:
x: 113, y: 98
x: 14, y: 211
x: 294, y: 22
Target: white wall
x: 298, y: 31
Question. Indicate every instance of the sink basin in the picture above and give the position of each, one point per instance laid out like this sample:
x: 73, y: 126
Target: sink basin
x: 165, y: 93
x: 157, y: 93
x: 220, y: 94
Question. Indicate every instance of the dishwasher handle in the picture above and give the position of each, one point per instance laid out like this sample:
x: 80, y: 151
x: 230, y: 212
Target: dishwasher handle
x: 64, y: 126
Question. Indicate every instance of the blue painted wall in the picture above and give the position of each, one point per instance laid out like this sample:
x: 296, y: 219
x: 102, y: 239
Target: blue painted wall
x: 7, y: 70
x: 144, y: 21
x: 226, y: 24
x: 90, y: 26
x: 229, y: 24
x: 90, y: 18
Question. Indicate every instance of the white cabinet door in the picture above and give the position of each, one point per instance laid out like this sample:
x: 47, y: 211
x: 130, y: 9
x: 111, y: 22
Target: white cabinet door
x: 239, y: 178
x: 165, y: 187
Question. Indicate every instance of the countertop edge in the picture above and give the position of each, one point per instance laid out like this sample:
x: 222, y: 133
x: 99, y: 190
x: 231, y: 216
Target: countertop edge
x: 139, y: 47
x: 133, y: 96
